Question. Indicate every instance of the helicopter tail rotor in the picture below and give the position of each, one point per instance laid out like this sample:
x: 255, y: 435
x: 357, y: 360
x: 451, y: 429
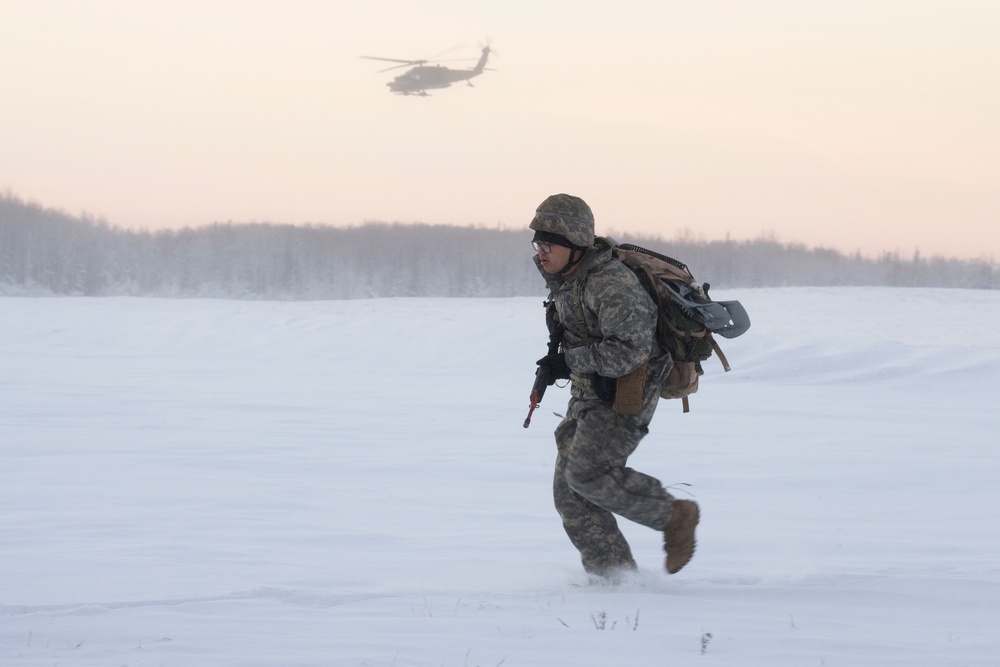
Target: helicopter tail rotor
x: 488, y: 44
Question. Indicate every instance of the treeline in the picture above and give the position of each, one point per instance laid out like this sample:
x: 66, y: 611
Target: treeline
x: 47, y: 252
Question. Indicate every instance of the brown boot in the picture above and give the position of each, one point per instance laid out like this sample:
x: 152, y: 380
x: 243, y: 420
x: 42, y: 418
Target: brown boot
x: 678, y: 536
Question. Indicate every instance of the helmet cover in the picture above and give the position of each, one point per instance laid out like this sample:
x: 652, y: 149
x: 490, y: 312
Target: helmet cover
x: 567, y: 216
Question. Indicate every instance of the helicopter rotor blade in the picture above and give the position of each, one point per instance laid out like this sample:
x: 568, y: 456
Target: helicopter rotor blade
x: 389, y: 69
x: 391, y: 60
x: 437, y: 56
x: 405, y: 63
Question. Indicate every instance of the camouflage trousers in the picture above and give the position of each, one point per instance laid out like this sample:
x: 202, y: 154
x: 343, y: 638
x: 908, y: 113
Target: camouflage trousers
x: 592, y: 483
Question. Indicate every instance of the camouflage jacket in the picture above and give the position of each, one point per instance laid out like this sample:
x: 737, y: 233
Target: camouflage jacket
x: 609, y: 320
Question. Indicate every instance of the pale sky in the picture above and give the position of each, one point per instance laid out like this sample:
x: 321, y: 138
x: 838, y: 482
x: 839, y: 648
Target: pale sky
x: 864, y: 125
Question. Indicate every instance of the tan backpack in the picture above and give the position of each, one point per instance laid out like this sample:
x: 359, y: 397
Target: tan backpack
x: 687, y: 317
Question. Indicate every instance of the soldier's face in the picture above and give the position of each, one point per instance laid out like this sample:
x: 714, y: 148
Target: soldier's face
x: 556, y: 259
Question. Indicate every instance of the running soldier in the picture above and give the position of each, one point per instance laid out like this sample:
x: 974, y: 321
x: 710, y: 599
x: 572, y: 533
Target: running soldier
x: 609, y: 352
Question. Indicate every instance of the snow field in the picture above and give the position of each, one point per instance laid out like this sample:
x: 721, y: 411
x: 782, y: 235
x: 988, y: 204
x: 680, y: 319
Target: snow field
x: 201, y: 482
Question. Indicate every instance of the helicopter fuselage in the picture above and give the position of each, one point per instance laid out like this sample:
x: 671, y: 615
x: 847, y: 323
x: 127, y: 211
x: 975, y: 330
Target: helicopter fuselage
x: 427, y: 77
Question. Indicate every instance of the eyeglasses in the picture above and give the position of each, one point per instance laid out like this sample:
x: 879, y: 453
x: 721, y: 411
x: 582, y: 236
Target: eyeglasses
x: 543, y: 248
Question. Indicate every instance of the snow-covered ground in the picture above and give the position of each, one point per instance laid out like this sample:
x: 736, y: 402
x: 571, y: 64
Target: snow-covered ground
x: 201, y: 482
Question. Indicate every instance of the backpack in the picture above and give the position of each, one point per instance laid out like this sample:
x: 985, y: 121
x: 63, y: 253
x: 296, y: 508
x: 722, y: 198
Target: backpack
x: 686, y: 317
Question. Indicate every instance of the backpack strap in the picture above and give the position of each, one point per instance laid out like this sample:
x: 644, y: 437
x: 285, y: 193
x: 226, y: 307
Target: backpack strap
x: 719, y: 353
x: 581, y: 318
x: 584, y: 380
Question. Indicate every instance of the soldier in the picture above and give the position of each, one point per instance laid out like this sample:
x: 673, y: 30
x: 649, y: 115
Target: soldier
x: 610, y: 354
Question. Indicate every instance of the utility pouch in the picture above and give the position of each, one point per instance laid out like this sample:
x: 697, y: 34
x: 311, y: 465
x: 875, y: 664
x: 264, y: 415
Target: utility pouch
x: 630, y: 392
x: 682, y: 380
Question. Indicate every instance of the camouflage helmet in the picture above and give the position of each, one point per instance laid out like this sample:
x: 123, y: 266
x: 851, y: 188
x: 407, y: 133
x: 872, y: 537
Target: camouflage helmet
x: 567, y: 216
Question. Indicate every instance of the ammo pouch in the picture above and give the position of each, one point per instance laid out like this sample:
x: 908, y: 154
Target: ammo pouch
x: 631, y: 390
x: 625, y: 394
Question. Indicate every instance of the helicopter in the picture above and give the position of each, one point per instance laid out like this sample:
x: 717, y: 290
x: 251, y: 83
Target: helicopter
x: 423, y: 77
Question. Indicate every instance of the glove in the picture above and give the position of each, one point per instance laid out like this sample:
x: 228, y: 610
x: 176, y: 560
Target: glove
x: 556, y: 363
x: 605, y: 388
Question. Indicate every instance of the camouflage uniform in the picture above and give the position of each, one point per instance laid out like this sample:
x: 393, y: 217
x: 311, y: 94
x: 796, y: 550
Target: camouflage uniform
x: 608, y: 321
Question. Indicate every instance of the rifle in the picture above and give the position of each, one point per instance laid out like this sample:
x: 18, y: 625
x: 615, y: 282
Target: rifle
x: 545, y: 376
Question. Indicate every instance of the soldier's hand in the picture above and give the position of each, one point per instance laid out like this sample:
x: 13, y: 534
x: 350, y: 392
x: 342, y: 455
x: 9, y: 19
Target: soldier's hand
x: 556, y: 363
